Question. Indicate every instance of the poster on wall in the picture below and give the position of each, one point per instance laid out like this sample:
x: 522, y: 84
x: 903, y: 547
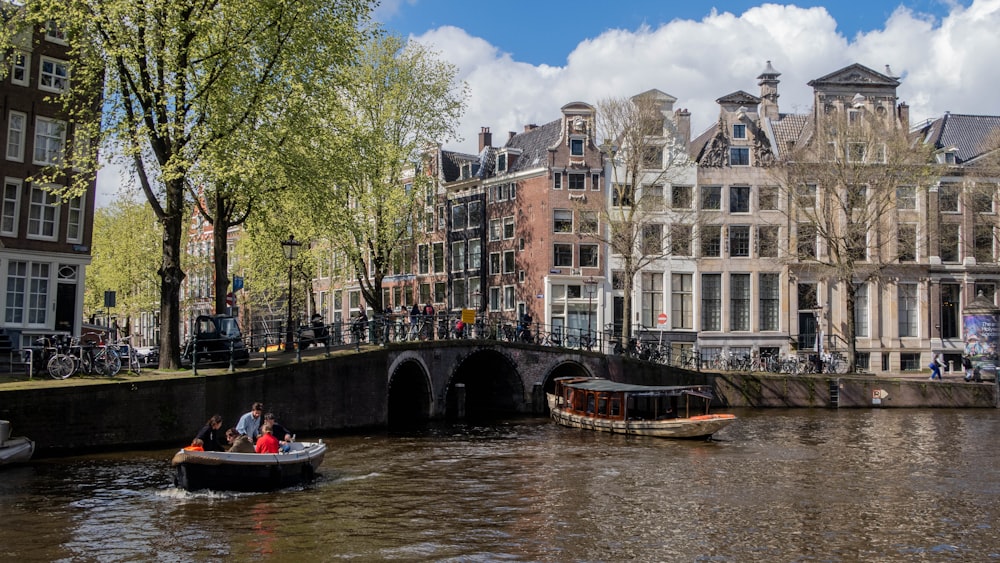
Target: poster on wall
x: 981, y: 337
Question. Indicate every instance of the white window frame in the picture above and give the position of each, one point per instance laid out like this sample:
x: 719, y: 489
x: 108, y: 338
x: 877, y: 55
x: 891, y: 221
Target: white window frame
x: 50, y: 139
x: 20, y: 62
x: 74, y: 220
x: 56, y: 79
x: 10, y: 207
x: 46, y: 205
x: 573, y: 143
x: 55, y: 34
x: 16, y: 136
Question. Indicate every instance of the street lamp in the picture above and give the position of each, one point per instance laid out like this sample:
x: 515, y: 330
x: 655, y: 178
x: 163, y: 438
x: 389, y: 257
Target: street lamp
x: 291, y: 249
x: 590, y: 286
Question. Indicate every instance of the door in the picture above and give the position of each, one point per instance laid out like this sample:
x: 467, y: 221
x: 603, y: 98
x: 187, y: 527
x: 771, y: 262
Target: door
x: 66, y: 307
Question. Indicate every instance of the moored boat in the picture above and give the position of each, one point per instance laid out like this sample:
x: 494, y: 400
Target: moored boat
x: 248, y: 472
x: 17, y: 449
x: 661, y: 411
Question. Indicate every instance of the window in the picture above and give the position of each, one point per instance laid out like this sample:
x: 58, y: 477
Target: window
x: 857, y: 196
x: 770, y: 301
x: 711, y: 197
x: 557, y: 180
x: 577, y: 181
x: 495, y: 299
x: 907, y: 242
x: 711, y: 302
x: 806, y: 242
x: 739, y: 241
x: 442, y: 218
x: 680, y: 240
x: 459, y: 220
x: 856, y: 152
x: 50, y: 138
x: 508, y: 297
x: 909, y: 361
x: 502, y: 162
x: 652, y: 158
x: 739, y: 199
x: 652, y: 197
x: 680, y: 197
x: 508, y: 262
x: 621, y: 196
x: 681, y: 309
x: 856, y: 241
x: 983, y: 241
x: 588, y: 222
x: 11, y: 205
x: 767, y: 198
x: 74, y: 222
x: 739, y: 156
x: 27, y: 292
x: 494, y: 263
x: 739, y: 302
x: 440, y: 292
x: 739, y: 131
x: 475, y: 254
x: 948, y: 198
x: 981, y: 197
x: 496, y: 229
x: 54, y: 33
x: 595, y: 182
x: 652, y: 298
x: 438, y: 252
x: 951, y: 319
x: 562, y: 255
x: 907, y: 309
x: 508, y: 228
x: 53, y: 76
x: 576, y: 147
x: 588, y: 256
x: 562, y: 221
x: 475, y: 214
x: 711, y: 240
x: 987, y: 289
x: 949, y: 242
x: 906, y: 197
x: 807, y: 296
x: 17, y: 124
x: 459, y: 294
x: 20, y: 64
x: 43, y: 214
x: 767, y: 241
x: 458, y: 256
x: 652, y: 239
x: 805, y: 195
x: 861, y: 310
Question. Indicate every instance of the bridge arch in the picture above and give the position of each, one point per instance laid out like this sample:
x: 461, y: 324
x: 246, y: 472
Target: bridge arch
x: 485, y: 384
x: 410, y: 397
x: 565, y: 368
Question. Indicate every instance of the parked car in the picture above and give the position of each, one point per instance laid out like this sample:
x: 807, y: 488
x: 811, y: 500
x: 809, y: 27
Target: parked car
x: 148, y: 355
x: 217, y: 336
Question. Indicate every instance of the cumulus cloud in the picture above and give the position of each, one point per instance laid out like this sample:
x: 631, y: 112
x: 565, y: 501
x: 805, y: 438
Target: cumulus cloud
x: 944, y: 65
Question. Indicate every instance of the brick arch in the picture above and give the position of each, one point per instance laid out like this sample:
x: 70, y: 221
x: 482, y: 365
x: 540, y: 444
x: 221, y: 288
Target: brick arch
x: 409, y: 394
x: 493, y: 385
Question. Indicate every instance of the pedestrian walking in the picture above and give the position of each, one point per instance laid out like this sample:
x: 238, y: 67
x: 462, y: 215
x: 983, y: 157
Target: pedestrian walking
x: 936, y: 366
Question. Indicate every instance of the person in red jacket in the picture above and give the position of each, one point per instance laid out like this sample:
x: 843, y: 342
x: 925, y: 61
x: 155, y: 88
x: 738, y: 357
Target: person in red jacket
x: 267, y: 443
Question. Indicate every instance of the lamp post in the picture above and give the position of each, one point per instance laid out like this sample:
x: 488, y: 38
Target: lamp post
x: 291, y: 249
x: 590, y: 286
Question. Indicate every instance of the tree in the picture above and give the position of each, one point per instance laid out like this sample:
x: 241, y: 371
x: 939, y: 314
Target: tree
x: 843, y: 183
x: 354, y: 167
x: 183, y: 78
x: 648, y: 156
x: 124, y: 249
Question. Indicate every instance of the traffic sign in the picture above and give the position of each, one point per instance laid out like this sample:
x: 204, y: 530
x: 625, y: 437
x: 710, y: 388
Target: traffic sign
x: 230, y: 299
x: 662, y: 319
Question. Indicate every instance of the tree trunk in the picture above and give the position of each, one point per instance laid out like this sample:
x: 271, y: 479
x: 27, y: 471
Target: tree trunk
x: 171, y: 276
x: 850, y: 329
x: 220, y: 255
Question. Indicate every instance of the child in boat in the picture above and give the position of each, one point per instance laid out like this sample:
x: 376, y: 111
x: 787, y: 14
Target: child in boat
x: 239, y: 443
x: 267, y: 443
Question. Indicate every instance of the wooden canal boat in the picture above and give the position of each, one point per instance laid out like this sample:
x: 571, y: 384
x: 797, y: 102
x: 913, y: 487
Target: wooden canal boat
x: 253, y: 472
x: 661, y: 411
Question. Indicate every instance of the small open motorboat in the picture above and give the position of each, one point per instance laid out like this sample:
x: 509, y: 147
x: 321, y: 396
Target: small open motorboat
x: 224, y: 471
x: 662, y: 411
x: 14, y: 450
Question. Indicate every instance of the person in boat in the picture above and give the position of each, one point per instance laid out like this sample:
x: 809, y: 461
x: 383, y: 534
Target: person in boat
x: 196, y: 446
x: 267, y: 443
x: 277, y: 429
x: 238, y: 443
x: 210, y: 434
x: 250, y: 423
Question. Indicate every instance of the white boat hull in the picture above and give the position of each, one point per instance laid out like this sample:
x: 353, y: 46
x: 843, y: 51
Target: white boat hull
x: 223, y: 471
x: 16, y: 450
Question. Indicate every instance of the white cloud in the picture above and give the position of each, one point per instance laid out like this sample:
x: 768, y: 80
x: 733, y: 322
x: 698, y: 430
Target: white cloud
x: 945, y: 65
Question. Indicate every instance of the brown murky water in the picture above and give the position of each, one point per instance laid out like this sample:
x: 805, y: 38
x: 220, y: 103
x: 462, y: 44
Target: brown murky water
x: 785, y: 485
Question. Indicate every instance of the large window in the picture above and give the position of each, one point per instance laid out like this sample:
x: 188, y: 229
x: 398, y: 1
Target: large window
x: 423, y: 259
x: 680, y: 240
x: 588, y: 222
x: 475, y: 254
x: 739, y: 302
x: 508, y: 262
x: 739, y: 156
x: 681, y: 301
x: 458, y: 256
x: 17, y: 125
x: 27, y: 293
x: 508, y: 228
x: 438, y: 257
x: 43, y: 214
x: 53, y: 75
x: 711, y: 302
x: 806, y: 241
x: 475, y: 213
x: 681, y: 197
x: 562, y: 255
x: 770, y: 301
x: 459, y: 219
x: 861, y: 310
x: 652, y: 298
x: 494, y: 263
x: 10, y: 206
x: 621, y: 195
x: 562, y: 221
x: 906, y: 197
x: 711, y: 240
x: 496, y: 229
x: 907, y: 242
x: 711, y: 197
x: 907, y: 301
x: 767, y: 198
x: 983, y: 241
x: 949, y: 242
x: 588, y: 256
x: 948, y: 198
x: 767, y: 241
x: 739, y: 241
x: 739, y: 199
x: 50, y: 138
x: 652, y: 239
x: 577, y: 181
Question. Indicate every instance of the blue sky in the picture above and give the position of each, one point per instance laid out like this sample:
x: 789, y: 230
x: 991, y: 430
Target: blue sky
x: 546, y: 31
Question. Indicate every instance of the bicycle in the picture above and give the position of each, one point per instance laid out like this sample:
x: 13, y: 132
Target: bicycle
x: 127, y: 351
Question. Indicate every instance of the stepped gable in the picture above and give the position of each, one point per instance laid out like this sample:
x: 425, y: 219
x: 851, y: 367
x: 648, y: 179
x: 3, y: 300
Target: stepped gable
x: 534, y: 146
x: 972, y: 136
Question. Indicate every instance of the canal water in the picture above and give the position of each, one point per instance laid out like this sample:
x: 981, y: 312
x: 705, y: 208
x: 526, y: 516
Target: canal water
x: 778, y: 485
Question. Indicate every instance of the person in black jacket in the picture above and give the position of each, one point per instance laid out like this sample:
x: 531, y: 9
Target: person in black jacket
x: 210, y: 434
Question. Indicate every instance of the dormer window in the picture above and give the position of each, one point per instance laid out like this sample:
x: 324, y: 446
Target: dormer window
x: 947, y: 156
x: 739, y: 131
x: 54, y: 33
x: 576, y: 147
x: 502, y: 162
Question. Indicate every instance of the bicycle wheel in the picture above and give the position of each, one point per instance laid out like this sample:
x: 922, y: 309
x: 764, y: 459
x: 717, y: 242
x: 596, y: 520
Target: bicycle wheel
x: 112, y: 364
x: 60, y: 366
x: 133, y: 363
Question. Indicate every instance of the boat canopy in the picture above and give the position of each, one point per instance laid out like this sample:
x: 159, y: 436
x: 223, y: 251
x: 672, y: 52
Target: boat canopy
x: 606, y: 385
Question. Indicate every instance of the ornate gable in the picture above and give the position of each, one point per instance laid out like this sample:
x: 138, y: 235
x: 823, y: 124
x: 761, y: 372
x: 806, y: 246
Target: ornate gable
x: 738, y: 98
x: 855, y: 75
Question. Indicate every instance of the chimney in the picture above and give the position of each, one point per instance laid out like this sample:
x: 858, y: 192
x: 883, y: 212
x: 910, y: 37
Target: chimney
x: 903, y: 111
x: 768, y: 82
x: 530, y: 127
x: 510, y: 135
x: 485, y: 138
x: 683, y: 119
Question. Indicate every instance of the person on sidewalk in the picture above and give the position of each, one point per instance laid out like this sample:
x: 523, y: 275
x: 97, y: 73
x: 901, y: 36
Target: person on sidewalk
x: 936, y: 367
x: 967, y: 367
